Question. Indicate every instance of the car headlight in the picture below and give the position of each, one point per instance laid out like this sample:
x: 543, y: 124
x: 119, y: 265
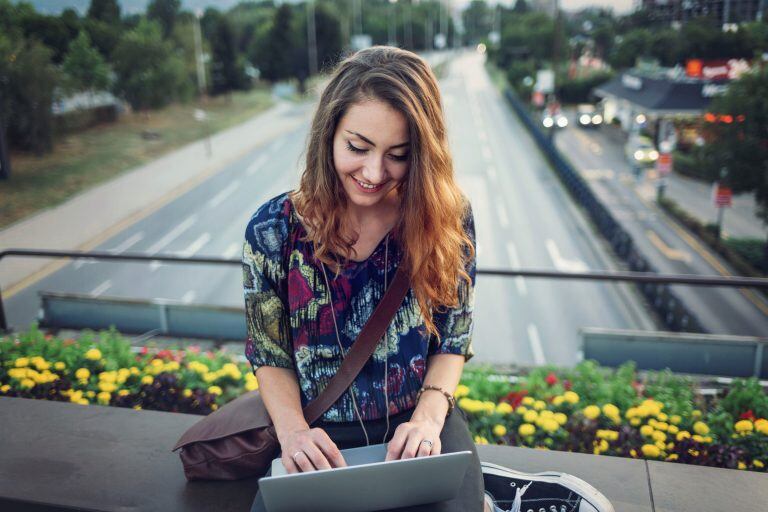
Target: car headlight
x: 584, y: 119
x: 562, y: 122
x: 639, y: 155
x: 548, y: 122
x: 597, y: 119
x: 653, y: 154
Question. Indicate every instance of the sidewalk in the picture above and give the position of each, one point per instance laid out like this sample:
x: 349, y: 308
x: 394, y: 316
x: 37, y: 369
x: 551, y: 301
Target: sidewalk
x: 95, y: 215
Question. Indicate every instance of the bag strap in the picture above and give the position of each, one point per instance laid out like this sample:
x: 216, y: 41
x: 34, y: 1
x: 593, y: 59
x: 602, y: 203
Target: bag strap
x: 363, y: 347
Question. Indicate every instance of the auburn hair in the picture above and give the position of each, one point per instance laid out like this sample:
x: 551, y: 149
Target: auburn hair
x: 436, y: 249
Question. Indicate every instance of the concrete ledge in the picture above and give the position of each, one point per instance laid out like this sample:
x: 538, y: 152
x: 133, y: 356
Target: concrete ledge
x: 61, y: 456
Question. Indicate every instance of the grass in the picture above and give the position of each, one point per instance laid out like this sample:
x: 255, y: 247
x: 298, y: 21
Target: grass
x: 86, y: 158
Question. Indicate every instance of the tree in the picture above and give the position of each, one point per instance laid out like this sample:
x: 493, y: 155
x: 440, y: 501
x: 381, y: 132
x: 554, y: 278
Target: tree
x: 164, y: 12
x: 279, y: 51
x: 228, y: 66
x: 103, y: 36
x: 740, y: 141
x: 477, y: 20
x: 107, y: 11
x: 27, y: 83
x: 149, y: 73
x: 84, y: 66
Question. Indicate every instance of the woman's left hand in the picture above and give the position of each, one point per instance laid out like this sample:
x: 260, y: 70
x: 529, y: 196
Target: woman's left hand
x: 409, y: 440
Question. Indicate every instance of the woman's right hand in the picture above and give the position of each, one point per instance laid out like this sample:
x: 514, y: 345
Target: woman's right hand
x: 309, y: 450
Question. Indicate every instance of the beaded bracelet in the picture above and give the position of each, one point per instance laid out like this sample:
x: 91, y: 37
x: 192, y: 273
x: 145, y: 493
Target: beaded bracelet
x: 448, y: 396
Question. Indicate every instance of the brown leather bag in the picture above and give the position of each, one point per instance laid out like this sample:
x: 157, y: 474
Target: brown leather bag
x: 239, y: 441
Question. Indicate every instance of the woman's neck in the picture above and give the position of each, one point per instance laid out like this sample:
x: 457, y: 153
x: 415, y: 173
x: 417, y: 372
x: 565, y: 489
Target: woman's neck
x: 384, y: 214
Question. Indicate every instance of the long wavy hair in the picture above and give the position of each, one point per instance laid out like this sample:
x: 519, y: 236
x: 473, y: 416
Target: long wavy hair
x: 436, y: 248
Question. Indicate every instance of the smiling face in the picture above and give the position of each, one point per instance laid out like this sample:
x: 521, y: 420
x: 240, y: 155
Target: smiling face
x: 370, y: 153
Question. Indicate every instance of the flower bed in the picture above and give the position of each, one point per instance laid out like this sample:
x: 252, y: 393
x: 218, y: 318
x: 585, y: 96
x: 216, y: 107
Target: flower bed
x: 588, y: 409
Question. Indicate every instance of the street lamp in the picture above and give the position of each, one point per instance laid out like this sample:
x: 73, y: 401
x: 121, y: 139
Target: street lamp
x: 199, y: 53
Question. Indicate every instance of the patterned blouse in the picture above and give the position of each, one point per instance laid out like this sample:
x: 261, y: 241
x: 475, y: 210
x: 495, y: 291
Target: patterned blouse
x: 288, y: 314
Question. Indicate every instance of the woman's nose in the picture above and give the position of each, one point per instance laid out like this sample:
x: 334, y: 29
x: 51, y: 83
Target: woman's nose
x: 375, y: 170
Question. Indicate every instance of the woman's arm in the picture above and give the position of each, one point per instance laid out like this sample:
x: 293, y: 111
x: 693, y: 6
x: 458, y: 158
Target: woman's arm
x: 313, y: 448
x: 426, y: 423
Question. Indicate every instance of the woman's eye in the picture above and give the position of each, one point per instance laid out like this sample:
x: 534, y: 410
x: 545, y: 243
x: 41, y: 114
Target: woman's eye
x: 399, y: 158
x: 355, y: 149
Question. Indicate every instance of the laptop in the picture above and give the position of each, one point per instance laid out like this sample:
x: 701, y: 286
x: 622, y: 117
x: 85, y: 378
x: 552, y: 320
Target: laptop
x: 367, y: 483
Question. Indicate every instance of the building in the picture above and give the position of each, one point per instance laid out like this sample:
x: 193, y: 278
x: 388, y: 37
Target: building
x: 725, y: 11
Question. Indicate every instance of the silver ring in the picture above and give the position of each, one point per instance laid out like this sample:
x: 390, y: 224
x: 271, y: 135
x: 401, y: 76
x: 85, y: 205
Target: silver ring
x: 295, y: 454
x: 427, y: 441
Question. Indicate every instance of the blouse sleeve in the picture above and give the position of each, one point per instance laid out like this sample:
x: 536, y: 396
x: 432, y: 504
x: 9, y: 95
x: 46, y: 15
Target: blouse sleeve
x: 264, y: 286
x: 455, y: 324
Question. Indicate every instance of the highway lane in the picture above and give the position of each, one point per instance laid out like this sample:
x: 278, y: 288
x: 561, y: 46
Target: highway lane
x: 666, y: 244
x: 523, y: 217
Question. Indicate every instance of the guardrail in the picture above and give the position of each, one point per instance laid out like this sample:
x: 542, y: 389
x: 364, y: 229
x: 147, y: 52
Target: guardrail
x: 671, y: 309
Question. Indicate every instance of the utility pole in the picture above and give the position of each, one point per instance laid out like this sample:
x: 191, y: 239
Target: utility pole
x: 408, y: 25
x: 311, y: 37
x: 199, y: 54
x: 392, y: 39
x: 5, y: 158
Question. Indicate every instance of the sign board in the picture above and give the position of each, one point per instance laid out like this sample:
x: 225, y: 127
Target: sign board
x: 538, y: 98
x: 712, y: 90
x: 720, y: 69
x: 664, y: 164
x: 723, y: 196
x: 631, y: 82
x: 545, y: 81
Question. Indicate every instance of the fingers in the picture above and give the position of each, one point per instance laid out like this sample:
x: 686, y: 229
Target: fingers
x: 397, y: 443
x: 316, y: 457
x: 437, y: 447
x: 329, y: 449
x: 310, y: 450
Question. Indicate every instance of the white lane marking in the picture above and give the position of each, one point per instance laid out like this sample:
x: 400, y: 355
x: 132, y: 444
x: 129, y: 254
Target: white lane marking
x: 256, y: 165
x: 132, y: 240
x: 106, y: 285
x: 487, y: 153
x: 492, y: 172
x: 535, y: 341
x: 221, y: 196
x: 277, y: 145
x: 515, y: 262
x: 168, y: 238
x: 502, y: 212
x: 195, y: 246
x: 231, y: 250
x: 188, y: 297
x: 563, y: 264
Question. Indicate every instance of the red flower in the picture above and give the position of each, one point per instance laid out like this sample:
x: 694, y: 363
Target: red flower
x: 567, y: 385
x: 551, y: 379
x: 514, y: 398
x: 749, y: 415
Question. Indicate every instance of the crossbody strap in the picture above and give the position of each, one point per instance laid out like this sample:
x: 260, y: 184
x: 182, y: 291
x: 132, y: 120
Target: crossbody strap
x: 363, y: 347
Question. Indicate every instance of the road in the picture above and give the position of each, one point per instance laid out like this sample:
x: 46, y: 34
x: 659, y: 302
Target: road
x: 600, y: 159
x: 523, y: 216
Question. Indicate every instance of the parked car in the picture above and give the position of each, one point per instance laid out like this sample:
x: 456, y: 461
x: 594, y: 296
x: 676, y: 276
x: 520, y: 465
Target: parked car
x: 641, y: 151
x: 557, y: 120
x: 588, y: 116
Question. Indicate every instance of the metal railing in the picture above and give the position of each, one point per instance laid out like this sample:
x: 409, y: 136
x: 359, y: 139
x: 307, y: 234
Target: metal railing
x: 644, y: 278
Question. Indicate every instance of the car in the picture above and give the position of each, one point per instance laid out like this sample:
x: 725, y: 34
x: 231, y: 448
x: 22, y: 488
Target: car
x: 588, y: 116
x: 641, y: 151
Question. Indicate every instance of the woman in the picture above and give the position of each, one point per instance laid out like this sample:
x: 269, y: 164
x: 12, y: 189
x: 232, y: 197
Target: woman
x: 377, y: 192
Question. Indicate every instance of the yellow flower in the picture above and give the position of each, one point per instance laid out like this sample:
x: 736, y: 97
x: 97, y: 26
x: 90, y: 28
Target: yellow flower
x: 499, y: 430
x: 672, y: 457
x: 503, y: 408
x: 610, y: 435
x: 662, y: 417
x: 693, y: 453
x: 744, y: 426
x: 137, y: 407
x: 147, y: 379
x: 662, y: 426
x: 4, y: 388
x: 527, y: 400
x: 631, y: 413
x: 104, y: 398
x: 107, y: 376
x: 675, y: 419
x: 22, y: 362
x: 650, y: 450
x: 558, y: 401
x: 59, y: 365
x: 521, y: 409
x: 478, y: 439
x: 83, y: 401
x: 701, y: 428
x: 758, y: 464
x: 633, y: 452
x: 214, y: 390
x: 611, y: 410
x: 539, y: 405
x: 461, y: 390
x: 646, y: 430
x: 123, y: 392
x: 603, y: 445
x: 93, y: 354
x: 761, y: 426
x: 635, y: 422
x: 27, y: 383
x: 107, y: 387
x: 658, y: 435
x: 697, y: 438
x: 550, y: 425
x: 683, y: 434
x: 82, y: 374
x: 561, y: 418
x: 90, y: 393
x: 696, y: 413
x: 591, y: 412
x: 530, y: 416
x: 670, y: 446
x: 251, y: 385
x: 672, y: 429
x: 216, y: 406
x: 135, y: 370
x: 187, y: 393
x: 571, y: 397
x: 488, y: 407
x: 546, y: 413
x: 742, y: 465
x: 526, y: 429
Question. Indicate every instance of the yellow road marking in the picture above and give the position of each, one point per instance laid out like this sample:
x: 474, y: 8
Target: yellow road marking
x: 669, y: 252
